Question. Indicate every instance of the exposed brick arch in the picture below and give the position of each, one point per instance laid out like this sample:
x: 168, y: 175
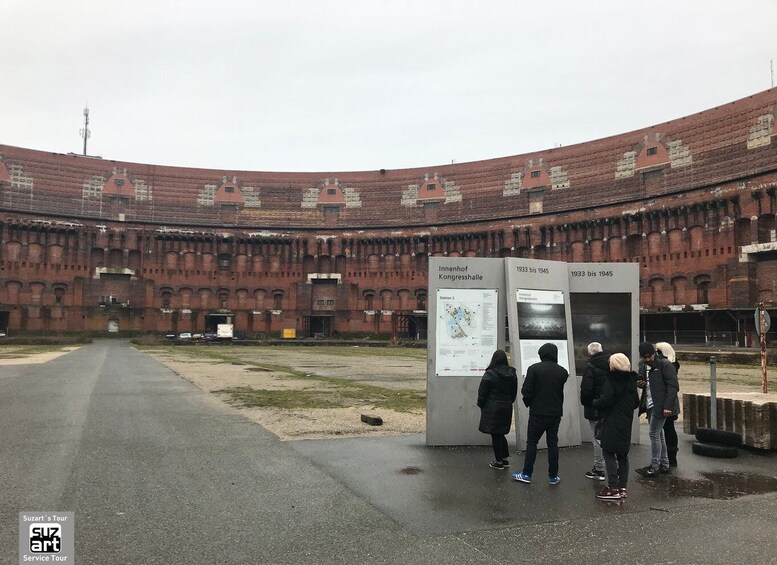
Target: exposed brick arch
x: 656, y: 287
x: 55, y: 254
x: 37, y: 288
x: 703, y: 282
x: 766, y: 228
x: 35, y: 253
x: 116, y: 258
x: 679, y: 288
x: 260, y: 295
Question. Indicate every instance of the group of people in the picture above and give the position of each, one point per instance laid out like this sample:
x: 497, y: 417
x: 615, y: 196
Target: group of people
x: 609, y: 395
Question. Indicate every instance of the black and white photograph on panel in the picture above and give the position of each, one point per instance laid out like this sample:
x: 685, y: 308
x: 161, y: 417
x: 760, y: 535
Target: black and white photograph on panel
x: 541, y: 315
x: 602, y: 317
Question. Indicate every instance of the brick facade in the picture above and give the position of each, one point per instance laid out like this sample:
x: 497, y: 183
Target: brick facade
x: 86, y: 242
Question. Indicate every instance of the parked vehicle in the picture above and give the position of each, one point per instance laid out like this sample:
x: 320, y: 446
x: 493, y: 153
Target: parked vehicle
x: 185, y: 335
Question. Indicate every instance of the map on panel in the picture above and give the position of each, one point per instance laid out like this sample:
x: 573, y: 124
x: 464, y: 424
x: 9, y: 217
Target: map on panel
x: 461, y: 320
x: 466, y: 335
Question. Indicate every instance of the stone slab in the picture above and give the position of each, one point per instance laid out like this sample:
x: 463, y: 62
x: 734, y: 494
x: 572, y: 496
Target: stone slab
x: 754, y: 415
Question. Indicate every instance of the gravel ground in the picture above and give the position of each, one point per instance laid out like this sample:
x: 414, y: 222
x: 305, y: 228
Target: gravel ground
x: 385, y: 368
x: 313, y: 423
x: 35, y: 358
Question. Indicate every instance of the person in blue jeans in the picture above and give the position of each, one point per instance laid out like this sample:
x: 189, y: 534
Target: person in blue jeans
x: 659, y: 379
x: 543, y: 393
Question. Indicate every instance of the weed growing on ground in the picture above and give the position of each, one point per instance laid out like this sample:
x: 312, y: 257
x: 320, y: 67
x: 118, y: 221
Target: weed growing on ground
x: 19, y: 351
x: 335, y: 393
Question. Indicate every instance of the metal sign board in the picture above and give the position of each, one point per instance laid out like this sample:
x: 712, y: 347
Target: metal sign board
x: 767, y: 319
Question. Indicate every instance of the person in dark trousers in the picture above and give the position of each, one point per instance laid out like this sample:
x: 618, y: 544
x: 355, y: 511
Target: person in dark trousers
x: 616, y: 406
x: 670, y: 433
x: 496, y: 395
x: 660, y: 383
x: 594, y: 375
x: 543, y: 393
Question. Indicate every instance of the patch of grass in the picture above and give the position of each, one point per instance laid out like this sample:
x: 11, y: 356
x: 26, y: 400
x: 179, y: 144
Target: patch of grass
x: 723, y: 366
x: 399, y: 400
x: 335, y: 397
x: 252, y: 397
x: 353, y: 351
x: 18, y: 351
x: 339, y: 393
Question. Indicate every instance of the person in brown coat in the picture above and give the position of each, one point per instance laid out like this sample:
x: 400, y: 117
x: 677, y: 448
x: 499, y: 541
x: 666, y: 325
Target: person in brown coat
x: 496, y: 395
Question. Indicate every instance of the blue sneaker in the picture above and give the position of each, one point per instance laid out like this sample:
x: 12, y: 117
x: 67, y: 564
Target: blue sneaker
x: 522, y: 477
x: 554, y: 480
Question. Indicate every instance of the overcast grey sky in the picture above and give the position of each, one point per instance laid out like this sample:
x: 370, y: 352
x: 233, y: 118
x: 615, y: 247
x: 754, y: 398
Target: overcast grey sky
x: 343, y: 85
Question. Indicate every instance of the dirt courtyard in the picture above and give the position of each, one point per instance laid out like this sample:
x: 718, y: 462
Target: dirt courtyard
x: 311, y: 370
x: 308, y: 370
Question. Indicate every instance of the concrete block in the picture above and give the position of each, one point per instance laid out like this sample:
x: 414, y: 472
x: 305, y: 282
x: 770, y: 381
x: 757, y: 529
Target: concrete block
x: 754, y: 415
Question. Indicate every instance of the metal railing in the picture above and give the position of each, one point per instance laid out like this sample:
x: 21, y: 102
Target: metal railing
x: 706, y: 338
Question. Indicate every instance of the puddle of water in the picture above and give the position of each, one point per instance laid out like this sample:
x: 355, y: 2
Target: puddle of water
x: 411, y: 471
x: 717, y: 485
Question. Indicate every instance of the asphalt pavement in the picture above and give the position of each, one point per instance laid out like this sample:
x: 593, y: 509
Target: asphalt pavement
x: 155, y: 473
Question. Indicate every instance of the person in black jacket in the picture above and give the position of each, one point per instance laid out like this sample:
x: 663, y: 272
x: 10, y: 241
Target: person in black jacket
x: 616, y: 405
x: 594, y: 375
x: 661, y: 389
x: 543, y: 393
x: 496, y: 395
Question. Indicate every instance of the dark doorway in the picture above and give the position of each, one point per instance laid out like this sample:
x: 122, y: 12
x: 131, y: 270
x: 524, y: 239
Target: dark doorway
x: 5, y: 316
x: 417, y: 328
x: 213, y: 320
x: 411, y: 327
x: 320, y: 326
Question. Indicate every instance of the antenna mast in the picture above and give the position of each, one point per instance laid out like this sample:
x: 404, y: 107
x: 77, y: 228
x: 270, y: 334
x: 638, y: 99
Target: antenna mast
x: 85, y: 133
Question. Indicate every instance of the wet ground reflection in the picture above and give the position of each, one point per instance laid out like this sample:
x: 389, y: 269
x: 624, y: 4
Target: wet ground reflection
x: 718, y: 485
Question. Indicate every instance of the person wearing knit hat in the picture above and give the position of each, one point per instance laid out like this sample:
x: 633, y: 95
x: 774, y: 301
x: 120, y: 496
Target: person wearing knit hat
x: 646, y: 348
x: 661, y: 387
x: 616, y: 404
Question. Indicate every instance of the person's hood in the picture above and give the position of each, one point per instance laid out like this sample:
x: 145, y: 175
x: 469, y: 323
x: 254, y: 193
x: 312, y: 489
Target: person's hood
x: 601, y: 361
x: 549, y: 352
x: 504, y: 371
x: 625, y: 375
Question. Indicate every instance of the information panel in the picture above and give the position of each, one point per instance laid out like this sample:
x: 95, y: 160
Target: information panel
x: 541, y: 319
x: 538, y: 313
x: 604, y: 303
x: 466, y: 328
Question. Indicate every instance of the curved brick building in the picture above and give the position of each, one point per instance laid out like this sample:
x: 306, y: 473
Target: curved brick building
x: 95, y: 244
